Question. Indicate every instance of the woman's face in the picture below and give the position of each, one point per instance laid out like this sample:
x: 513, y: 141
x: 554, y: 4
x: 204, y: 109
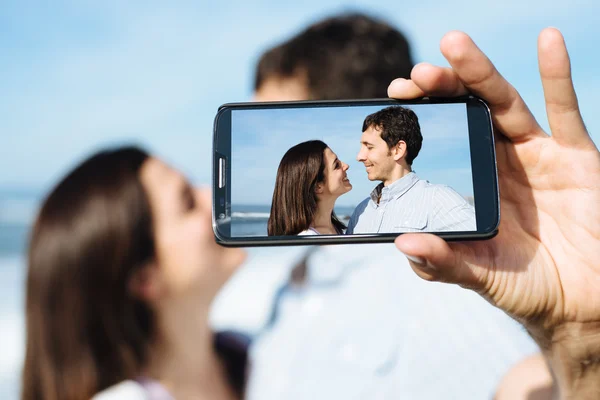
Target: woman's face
x: 336, y: 181
x: 187, y: 256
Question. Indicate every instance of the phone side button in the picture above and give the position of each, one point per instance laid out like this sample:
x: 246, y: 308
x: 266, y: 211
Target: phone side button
x: 221, y: 173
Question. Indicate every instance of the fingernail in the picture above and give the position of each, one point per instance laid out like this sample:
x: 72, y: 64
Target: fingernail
x: 415, y: 259
x: 398, y: 83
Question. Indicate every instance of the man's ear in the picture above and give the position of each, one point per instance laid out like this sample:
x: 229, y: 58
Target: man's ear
x: 145, y: 283
x: 399, y: 151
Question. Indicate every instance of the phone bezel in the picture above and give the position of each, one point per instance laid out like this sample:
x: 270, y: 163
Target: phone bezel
x: 483, y: 167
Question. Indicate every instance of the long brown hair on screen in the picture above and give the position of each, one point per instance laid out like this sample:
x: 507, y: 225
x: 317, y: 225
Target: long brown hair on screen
x: 85, y: 332
x: 294, y: 204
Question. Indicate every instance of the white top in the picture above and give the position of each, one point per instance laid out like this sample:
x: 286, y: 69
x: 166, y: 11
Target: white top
x: 139, y: 389
x: 125, y: 390
x: 309, y: 232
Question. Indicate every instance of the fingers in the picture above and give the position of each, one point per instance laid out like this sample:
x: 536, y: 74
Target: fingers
x: 438, y: 81
x: 427, y: 80
x: 471, y: 72
x: 404, y: 89
x: 478, y: 74
x: 433, y: 259
x: 562, y: 107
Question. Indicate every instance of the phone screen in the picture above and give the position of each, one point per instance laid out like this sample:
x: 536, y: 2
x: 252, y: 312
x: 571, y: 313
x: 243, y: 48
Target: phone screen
x: 360, y: 169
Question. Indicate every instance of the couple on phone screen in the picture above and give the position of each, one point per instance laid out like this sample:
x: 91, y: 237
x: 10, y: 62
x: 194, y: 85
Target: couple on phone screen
x: 311, y: 177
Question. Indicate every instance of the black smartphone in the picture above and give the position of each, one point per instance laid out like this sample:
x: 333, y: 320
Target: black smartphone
x: 360, y: 171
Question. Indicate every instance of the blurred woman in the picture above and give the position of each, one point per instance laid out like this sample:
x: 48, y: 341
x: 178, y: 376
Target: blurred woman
x: 122, y: 269
x: 310, y: 178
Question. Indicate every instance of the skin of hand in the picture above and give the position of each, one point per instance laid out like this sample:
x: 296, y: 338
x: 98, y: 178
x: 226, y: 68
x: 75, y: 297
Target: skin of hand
x: 543, y: 267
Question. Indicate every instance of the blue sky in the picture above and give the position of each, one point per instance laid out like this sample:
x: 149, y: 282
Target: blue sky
x: 77, y: 75
x: 261, y: 138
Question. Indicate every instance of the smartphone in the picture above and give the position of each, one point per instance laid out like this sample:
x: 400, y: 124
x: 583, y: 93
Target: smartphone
x: 360, y: 171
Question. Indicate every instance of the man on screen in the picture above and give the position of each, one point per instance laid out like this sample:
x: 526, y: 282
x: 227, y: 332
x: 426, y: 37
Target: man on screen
x: 402, y: 202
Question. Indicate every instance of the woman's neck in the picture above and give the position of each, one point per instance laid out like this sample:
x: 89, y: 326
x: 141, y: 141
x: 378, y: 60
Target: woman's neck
x: 184, y: 359
x: 322, y: 219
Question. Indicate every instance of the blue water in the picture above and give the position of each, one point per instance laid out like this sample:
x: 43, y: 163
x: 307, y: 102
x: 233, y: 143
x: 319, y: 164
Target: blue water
x: 17, y: 210
x: 13, y: 239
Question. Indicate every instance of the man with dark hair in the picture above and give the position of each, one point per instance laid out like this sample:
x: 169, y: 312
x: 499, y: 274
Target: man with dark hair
x: 402, y: 202
x: 397, y: 124
x: 353, y: 321
x: 342, y: 57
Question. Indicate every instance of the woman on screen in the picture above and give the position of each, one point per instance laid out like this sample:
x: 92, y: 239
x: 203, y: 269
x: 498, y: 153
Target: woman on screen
x: 309, y: 180
x: 122, y: 269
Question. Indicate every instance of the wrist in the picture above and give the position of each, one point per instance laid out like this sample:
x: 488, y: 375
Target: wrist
x: 572, y: 351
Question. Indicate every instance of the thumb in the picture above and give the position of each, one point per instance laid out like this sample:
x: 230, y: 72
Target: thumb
x: 434, y: 259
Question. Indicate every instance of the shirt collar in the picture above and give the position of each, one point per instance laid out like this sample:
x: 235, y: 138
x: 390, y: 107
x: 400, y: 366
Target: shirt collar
x: 395, y: 189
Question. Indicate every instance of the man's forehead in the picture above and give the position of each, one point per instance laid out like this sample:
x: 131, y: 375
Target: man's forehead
x: 371, y: 133
x: 282, y: 89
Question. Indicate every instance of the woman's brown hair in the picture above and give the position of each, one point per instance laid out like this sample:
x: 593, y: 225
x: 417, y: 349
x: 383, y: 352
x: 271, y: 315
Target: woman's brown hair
x: 85, y: 331
x: 294, y: 199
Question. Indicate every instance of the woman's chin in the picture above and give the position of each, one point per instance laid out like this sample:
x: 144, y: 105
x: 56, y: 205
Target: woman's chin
x: 346, y: 190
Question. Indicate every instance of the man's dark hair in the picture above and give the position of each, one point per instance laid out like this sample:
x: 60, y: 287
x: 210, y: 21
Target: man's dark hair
x: 397, y: 123
x: 351, y: 56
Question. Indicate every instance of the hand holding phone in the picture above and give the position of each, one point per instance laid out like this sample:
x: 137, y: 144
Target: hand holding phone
x: 353, y: 171
x: 542, y: 268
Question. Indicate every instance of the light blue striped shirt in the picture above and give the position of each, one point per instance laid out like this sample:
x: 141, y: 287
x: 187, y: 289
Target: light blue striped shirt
x: 363, y: 325
x: 411, y: 204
